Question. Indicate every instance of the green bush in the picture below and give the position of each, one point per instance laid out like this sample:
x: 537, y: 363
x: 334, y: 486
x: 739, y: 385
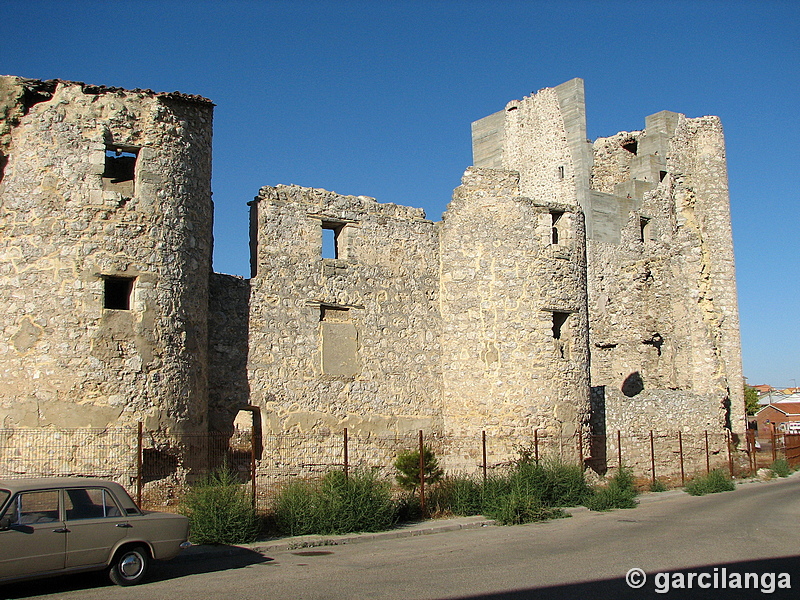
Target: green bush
x: 781, y: 468
x: 716, y: 481
x: 456, y: 494
x: 516, y: 507
x: 658, y: 486
x: 620, y: 493
x: 220, y: 511
x: 335, y: 504
x: 527, y: 491
x: 555, y: 483
x: 407, y: 464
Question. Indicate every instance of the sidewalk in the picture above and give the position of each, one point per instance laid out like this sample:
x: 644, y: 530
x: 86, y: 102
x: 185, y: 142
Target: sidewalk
x: 312, y: 541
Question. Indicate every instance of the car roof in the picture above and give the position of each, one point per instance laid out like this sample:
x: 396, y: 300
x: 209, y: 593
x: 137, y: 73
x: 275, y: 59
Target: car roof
x: 38, y: 483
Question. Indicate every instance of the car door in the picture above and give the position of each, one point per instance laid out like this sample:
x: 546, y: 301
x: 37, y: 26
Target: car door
x: 36, y: 540
x: 95, y: 523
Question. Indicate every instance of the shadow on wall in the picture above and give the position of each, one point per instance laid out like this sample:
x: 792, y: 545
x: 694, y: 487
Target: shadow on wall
x: 633, y: 384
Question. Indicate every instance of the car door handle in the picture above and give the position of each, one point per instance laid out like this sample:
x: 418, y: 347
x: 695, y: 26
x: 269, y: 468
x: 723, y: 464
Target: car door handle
x: 61, y: 530
x: 124, y: 525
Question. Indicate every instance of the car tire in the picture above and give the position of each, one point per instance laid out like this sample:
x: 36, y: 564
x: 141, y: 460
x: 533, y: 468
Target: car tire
x: 129, y: 566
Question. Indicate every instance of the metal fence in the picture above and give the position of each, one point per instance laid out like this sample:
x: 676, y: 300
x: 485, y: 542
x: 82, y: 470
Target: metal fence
x: 157, y: 468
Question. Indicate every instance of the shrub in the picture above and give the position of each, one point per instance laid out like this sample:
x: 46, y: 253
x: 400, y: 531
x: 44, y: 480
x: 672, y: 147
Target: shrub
x: 335, y: 504
x: 407, y: 464
x: 620, y: 493
x: 456, y: 494
x: 517, y: 507
x: 532, y: 491
x: 715, y: 481
x: 220, y: 511
x: 781, y: 468
x: 296, y: 508
x: 658, y: 486
x: 555, y: 483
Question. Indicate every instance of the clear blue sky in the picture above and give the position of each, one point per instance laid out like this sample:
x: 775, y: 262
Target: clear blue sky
x: 376, y: 98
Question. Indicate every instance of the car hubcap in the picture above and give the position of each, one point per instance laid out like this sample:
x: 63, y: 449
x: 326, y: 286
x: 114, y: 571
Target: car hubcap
x: 131, y: 565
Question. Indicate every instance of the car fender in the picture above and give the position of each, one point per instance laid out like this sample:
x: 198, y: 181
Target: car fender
x: 129, y: 542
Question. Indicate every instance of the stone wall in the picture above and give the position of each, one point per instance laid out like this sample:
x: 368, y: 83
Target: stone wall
x: 661, y: 282
x: 559, y: 264
x: 351, y: 341
x: 656, y: 325
x: 514, y: 321
x: 105, y: 251
x: 228, y: 337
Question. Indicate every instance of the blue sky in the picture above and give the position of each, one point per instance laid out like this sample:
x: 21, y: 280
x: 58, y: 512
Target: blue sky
x: 376, y: 99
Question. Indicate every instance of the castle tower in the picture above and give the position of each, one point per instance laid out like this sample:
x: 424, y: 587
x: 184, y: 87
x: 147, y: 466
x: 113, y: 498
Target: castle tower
x: 105, y: 256
x: 515, y: 354
x: 663, y: 316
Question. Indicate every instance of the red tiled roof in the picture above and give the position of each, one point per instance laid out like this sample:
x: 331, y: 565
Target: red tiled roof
x: 787, y: 408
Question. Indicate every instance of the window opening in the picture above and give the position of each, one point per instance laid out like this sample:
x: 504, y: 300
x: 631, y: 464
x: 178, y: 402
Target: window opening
x: 339, y: 337
x: 333, y: 313
x: 555, y: 217
x: 661, y: 175
x: 120, y: 169
x: 330, y: 239
x: 117, y: 292
x: 631, y: 146
x: 644, y: 229
x: 559, y: 319
x: 561, y: 172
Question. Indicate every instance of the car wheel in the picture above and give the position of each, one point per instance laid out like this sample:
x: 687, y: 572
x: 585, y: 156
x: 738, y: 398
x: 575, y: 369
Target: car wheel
x: 129, y: 566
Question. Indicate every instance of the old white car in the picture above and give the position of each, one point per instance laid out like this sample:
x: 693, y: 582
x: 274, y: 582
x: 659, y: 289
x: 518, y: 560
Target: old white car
x: 66, y: 525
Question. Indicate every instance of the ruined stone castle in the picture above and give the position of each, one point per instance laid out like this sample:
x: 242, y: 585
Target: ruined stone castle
x: 571, y: 287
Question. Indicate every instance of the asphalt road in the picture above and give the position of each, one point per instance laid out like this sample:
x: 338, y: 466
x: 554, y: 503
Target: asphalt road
x: 754, y: 529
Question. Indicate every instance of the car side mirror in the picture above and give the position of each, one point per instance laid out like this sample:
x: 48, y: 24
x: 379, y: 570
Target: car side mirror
x: 5, y: 523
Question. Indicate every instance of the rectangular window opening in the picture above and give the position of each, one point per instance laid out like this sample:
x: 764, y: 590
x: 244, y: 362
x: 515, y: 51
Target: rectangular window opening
x: 120, y: 169
x: 561, y: 172
x: 561, y: 346
x: 644, y: 229
x: 555, y: 217
x: 559, y: 318
x: 333, y: 314
x: 117, y: 292
x: 330, y: 239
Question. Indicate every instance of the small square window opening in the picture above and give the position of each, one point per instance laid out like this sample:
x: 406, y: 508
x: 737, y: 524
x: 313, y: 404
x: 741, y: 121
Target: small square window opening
x: 117, y: 292
x: 120, y: 169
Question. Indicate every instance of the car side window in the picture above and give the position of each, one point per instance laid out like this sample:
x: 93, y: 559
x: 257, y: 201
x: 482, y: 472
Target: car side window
x: 90, y: 503
x: 30, y: 508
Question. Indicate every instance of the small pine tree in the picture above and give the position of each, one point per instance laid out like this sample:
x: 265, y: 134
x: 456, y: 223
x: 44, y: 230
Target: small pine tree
x: 407, y: 464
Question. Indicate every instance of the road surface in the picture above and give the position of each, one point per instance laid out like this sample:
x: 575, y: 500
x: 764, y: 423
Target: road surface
x: 703, y: 542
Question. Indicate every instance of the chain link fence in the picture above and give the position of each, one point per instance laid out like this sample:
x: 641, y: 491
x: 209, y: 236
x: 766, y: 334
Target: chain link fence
x: 157, y: 468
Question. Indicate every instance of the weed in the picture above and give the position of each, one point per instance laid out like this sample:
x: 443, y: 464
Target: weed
x: 335, y: 504
x: 620, y: 493
x: 715, y: 481
x: 658, y: 486
x: 781, y: 468
x: 220, y: 511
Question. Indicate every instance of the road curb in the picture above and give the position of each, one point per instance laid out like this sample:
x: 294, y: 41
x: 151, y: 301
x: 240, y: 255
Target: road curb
x: 314, y: 541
